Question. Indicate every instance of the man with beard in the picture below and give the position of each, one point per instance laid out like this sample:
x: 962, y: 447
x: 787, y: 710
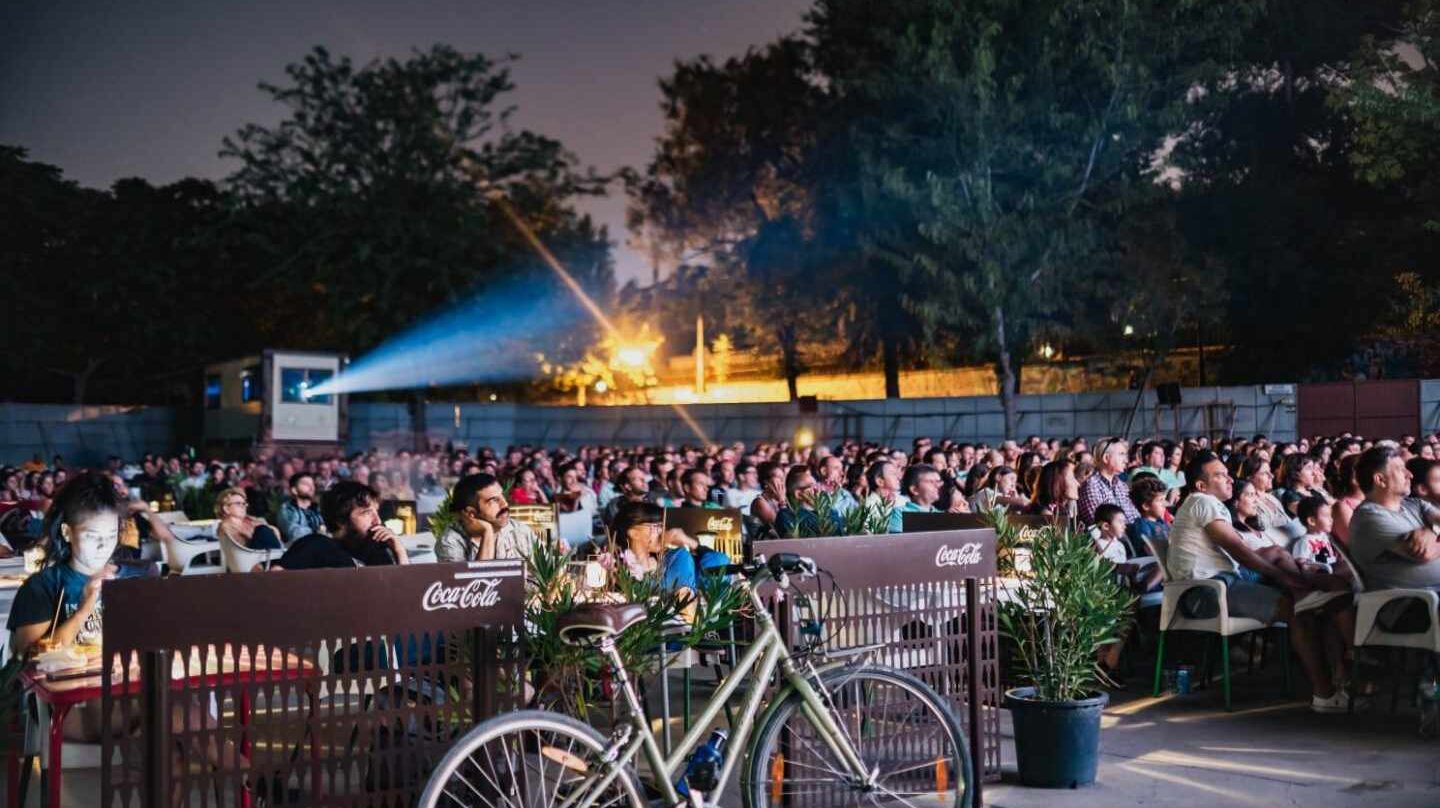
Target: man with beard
x: 633, y: 487
x: 299, y: 515
x: 483, y: 529
x: 357, y: 535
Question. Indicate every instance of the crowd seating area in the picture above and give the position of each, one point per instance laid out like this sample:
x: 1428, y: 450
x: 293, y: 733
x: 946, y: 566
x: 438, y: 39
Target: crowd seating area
x: 1331, y: 539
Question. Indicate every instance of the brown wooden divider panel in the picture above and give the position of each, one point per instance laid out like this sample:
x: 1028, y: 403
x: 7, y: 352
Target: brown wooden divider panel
x: 925, y: 596
x: 324, y: 687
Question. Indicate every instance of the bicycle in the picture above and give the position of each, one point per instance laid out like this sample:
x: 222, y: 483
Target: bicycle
x: 839, y: 733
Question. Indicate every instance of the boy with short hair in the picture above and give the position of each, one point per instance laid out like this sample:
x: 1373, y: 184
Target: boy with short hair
x: 1316, y: 546
x: 1151, y: 499
x: 1109, y: 543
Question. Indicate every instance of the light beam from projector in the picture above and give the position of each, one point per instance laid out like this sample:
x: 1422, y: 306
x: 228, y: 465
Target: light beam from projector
x: 474, y: 341
x: 497, y: 196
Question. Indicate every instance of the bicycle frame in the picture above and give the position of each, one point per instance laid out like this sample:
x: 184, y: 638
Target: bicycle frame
x: 769, y: 651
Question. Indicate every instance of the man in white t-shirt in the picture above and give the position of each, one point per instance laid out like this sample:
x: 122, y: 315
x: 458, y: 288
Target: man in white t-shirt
x: 1204, y: 544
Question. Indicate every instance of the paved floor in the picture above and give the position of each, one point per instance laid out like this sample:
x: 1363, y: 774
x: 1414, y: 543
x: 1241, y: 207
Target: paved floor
x: 1187, y: 751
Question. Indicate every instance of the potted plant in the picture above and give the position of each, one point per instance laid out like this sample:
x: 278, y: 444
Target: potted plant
x: 1068, y: 606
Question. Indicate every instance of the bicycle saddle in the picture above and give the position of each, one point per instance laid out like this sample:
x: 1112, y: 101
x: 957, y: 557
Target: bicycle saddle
x: 591, y: 621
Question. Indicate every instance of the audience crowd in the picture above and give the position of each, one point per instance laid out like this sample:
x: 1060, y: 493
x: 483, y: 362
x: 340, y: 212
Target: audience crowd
x: 1279, y: 522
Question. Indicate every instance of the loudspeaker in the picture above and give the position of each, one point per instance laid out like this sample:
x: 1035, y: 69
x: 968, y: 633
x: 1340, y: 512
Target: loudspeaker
x: 808, y: 404
x: 1168, y: 393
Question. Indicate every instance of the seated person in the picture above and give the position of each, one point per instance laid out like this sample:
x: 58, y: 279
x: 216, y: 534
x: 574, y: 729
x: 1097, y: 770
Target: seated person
x: 232, y: 508
x: 1393, y: 535
x: 1316, y: 546
x: 921, y: 484
x: 1001, y: 490
x: 1110, y: 544
x: 61, y: 604
x: 483, y: 529
x: 299, y: 515
x: 798, y: 516
x: 1151, y: 498
x: 647, y: 548
x: 1204, y: 544
x: 357, y: 536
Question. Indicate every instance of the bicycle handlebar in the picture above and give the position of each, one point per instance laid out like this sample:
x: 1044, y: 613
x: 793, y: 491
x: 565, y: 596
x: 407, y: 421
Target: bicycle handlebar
x: 776, y: 565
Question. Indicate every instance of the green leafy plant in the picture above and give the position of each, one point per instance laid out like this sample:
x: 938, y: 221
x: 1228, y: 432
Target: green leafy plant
x: 443, y: 518
x: 863, y: 519
x: 565, y: 675
x: 1008, y: 537
x: 1068, y: 606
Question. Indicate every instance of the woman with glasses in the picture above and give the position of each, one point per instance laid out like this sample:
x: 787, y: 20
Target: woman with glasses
x: 236, y: 523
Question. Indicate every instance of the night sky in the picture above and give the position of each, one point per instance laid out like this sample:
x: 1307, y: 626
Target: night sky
x: 148, y: 88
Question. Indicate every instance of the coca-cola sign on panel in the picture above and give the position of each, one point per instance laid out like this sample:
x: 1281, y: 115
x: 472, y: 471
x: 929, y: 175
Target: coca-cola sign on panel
x: 477, y: 593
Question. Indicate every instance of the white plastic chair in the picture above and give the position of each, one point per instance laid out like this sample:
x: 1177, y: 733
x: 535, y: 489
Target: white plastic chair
x: 237, y: 558
x: 191, y: 556
x: 1369, y: 602
x: 575, y: 527
x: 1172, y: 619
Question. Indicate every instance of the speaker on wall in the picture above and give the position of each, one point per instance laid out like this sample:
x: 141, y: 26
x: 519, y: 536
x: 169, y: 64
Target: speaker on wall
x: 1168, y: 393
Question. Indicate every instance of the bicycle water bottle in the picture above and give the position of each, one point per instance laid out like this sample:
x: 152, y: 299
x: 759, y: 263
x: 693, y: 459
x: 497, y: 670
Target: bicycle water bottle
x: 702, y: 771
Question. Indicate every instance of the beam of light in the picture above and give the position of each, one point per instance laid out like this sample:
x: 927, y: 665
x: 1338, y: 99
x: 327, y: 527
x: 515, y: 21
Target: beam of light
x: 497, y: 196
x: 482, y: 339
x: 1165, y: 757
x: 1237, y: 797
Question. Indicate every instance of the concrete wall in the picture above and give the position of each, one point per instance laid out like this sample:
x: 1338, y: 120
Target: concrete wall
x: 1213, y: 410
x: 83, y: 435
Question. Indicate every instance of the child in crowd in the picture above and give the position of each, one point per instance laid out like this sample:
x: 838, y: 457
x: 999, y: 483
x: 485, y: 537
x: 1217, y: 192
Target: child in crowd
x: 1316, y: 546
x: 1110, y: 544
x: 1150, y: 497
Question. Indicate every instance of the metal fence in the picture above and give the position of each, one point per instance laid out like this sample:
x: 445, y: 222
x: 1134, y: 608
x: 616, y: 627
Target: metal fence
x: 262, y: 688
x: 930, y: 599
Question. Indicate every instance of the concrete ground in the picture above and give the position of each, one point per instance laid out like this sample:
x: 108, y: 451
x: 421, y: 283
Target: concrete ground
x: 1186, y: 751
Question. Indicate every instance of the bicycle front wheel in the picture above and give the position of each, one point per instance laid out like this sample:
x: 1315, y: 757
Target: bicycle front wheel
x: 907, y: 737
x: 529, y: 759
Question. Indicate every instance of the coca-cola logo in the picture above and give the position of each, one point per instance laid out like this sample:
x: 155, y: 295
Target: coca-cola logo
x: 720, y: 524
x: 478, y: 593
x: 965, y: 555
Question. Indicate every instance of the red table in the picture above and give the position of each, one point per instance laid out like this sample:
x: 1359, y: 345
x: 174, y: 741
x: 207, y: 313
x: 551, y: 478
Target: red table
x: 59, y: 697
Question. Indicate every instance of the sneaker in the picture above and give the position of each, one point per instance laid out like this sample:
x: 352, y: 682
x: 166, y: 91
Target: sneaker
x: 1337, y: 703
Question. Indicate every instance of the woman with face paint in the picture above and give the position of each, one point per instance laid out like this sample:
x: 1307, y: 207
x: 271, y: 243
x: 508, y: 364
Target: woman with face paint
x: 61, y: 602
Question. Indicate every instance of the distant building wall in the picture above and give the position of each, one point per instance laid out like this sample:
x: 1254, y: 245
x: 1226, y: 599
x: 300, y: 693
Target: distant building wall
x: 86, y: 435
x: 1211, y: 410
x: 83, y: 435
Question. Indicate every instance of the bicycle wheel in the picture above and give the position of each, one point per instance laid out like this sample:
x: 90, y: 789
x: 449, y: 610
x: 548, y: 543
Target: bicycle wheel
x: 527, y: 759
x: 902, y: 731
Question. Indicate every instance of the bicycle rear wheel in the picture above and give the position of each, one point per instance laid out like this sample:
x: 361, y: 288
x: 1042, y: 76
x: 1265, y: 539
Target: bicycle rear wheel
x: 527, y: 759
x: 903, y: 732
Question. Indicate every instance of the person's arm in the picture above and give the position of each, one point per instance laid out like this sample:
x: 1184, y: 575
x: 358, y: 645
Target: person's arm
x: 65, y: 631
x: 387, y: 537
x: 1089, y: 501
x: 1420, y: 545
x: 1224, y: 536
x: 292, y: 522
x: 159, y: 528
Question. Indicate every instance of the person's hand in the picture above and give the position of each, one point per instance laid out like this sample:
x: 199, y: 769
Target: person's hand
x: 1327, y: 582
x: 91, y: 592
x: 1418, y: 542
x: 136, y: 506
x: 958, y: 504
x: 384, y: 535
x: 675, y: 537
